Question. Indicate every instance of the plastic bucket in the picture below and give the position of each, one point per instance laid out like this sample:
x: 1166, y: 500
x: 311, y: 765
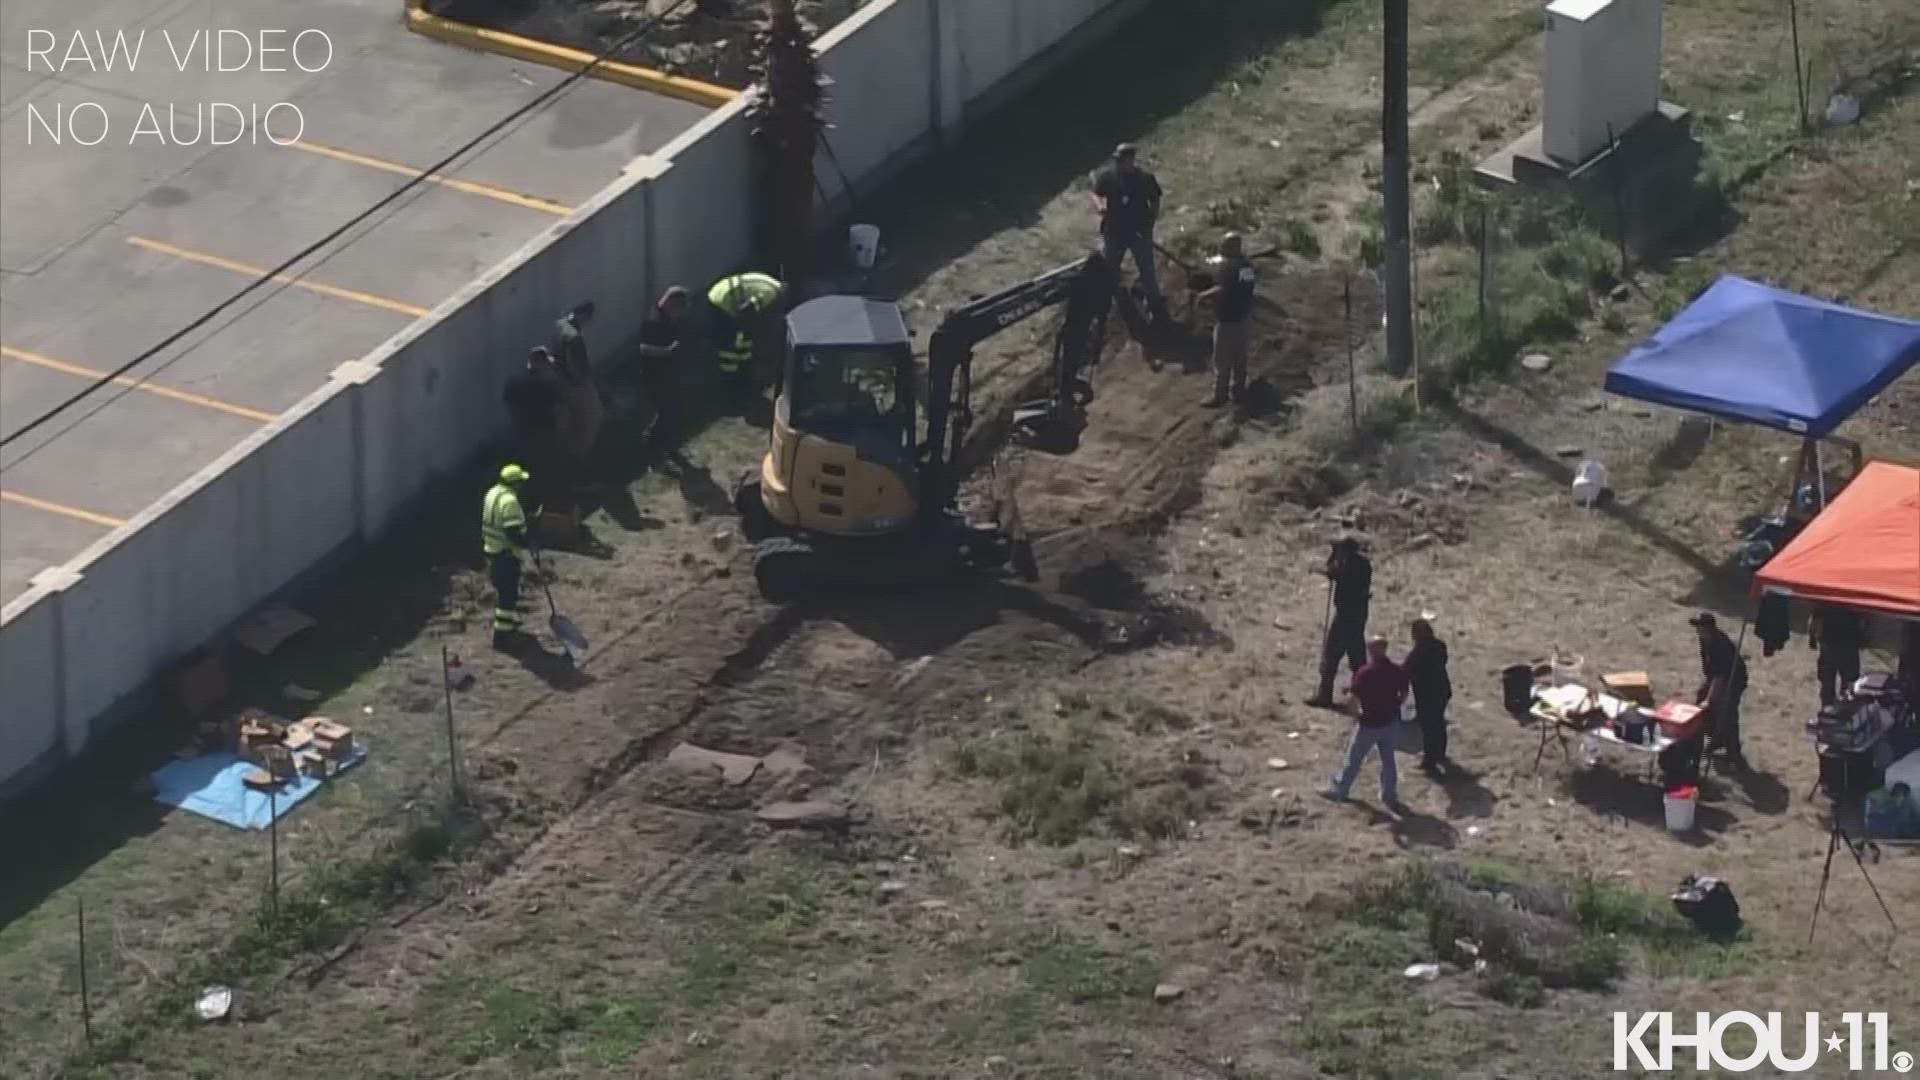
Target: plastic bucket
x: 1569, y: 670
x: 863, y: 245
x: 1589, y: 480
x: 1681, y: 804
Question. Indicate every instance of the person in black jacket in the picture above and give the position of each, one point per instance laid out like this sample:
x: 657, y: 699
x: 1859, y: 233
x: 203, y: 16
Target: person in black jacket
x: 1350, y: 577
x: 1836, y: 632
x: 1723, y: 681
x: 660, y: 353
x: 1426, y: 666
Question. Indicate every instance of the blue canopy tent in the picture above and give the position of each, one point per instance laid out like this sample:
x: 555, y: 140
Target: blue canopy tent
x: 1746, y: 351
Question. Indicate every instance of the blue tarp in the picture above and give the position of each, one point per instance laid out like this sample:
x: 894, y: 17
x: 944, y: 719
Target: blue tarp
x: 1746, y: 351
x: 210, y: 785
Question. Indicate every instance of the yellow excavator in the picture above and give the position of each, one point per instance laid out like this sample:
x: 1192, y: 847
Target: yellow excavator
x: 854, y: 490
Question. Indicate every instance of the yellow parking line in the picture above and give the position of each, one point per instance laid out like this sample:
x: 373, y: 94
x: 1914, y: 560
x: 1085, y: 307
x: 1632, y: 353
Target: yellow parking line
x: 62, y: 509
x: 168, y: 392
x: 334, y: 291
x: 531, y: 202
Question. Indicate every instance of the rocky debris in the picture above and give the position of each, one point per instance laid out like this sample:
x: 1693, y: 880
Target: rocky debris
x: 813, y: 814
x: 1538, y: 363
x: 1168, y: 993
x: 733, y: 769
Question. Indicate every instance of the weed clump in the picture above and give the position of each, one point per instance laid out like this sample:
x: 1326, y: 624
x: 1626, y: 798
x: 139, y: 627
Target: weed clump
x: 1067, y: 779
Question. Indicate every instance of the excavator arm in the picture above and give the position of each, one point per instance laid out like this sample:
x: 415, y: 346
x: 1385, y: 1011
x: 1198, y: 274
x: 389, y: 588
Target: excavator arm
x: 1088, y: 288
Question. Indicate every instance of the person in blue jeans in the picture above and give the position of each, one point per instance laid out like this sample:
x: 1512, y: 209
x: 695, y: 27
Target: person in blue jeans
x: 1128, y: 198
x: 1379, y: 690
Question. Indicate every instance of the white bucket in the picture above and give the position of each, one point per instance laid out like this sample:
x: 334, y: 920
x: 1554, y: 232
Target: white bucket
x: 1569, y: 670
x: 863, y: 245
x: 1589, y: 480
x: 1680, y: 810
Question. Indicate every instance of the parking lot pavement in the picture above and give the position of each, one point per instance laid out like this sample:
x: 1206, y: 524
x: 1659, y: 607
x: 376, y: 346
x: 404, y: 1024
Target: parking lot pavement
x: 106, y: 250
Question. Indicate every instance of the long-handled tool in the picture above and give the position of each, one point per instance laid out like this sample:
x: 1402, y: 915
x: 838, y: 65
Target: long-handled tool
x: 569, y: 635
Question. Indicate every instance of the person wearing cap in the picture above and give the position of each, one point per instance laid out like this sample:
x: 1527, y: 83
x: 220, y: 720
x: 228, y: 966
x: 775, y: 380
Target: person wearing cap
x: 1128, y: 198
x: 503, y: 536
x: 1379, y: 690
x: 1350, y: 579
x: 659, y: 375
x: 1723, y: 680
x: 746, y: 310
x: 1426, y: 667
x: 1232, y: 297
x: 533, y: 400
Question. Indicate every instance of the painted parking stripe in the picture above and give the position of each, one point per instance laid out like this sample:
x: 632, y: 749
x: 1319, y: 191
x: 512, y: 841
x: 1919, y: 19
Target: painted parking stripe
x: 183, y: 396
x: 61, y: 508
x: 488, y: 191
x: 369, y: 299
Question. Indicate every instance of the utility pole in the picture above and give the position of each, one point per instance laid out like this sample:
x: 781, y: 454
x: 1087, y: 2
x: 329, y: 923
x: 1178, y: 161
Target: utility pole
x: 1395, y: 185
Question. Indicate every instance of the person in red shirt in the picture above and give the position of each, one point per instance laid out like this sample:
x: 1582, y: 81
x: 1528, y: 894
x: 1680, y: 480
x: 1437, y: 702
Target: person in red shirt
x: 1379, y: 690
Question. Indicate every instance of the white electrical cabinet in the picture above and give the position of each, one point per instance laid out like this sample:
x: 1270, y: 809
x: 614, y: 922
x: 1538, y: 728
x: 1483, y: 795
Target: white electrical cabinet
x: 1603, y: 73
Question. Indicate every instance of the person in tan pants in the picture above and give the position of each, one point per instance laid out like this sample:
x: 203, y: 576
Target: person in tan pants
x: 1232, y: 297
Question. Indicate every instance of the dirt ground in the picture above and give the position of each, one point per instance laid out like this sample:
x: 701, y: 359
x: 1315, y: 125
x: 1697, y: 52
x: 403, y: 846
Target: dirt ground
x: 1073, y: 830
x: 708, y: 40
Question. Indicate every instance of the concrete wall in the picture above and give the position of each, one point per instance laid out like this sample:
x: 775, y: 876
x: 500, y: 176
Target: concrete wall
x: 87, y: 643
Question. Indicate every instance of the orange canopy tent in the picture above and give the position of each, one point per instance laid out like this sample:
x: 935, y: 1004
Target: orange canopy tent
x: 1862, y: 551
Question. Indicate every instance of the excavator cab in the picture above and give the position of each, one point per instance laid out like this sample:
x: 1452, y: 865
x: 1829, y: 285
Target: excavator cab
x: 842, y: 456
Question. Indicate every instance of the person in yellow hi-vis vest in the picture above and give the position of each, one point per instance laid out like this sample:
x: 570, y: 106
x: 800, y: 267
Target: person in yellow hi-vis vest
x: 748, y: 308
x: 503, y: 536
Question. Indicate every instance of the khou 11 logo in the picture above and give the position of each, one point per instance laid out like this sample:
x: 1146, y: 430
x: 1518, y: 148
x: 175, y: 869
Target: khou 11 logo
x: 1859, y: 1036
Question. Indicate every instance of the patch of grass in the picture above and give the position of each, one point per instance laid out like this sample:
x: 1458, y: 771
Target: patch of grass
x: 312, y: 915
x: 1055, y: 784
x: 1066, y: 779
x: 1371, y: 1042
x: 1535, y: 932
x: 522, y: 1023
x: 1298, y: 237
x: 1367, y: 245
x: 1507, y: 988
x: 616, y: 1030
x: 1546, y: 264
x: 1680, y: 286
x: 1065, y: 969
x: 1462, y: 47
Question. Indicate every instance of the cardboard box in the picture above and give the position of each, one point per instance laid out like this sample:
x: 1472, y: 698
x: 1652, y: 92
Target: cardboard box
x: 312, y: 763
x: 1632, y: 686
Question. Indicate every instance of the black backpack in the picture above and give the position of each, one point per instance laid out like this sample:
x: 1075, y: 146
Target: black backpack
x: 1708, y: 903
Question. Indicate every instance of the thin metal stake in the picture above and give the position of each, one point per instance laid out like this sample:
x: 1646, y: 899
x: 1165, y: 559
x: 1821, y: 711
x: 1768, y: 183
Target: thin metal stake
x: 1353, y: 376
x: 86, y: 1005
x: 453, y: 749
x: 1799, y: 80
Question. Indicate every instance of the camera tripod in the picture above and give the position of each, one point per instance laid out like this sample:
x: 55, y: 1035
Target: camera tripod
x: 1835, y: 837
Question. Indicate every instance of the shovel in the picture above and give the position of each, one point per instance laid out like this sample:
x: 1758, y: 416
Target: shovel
x: 571, y: 639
